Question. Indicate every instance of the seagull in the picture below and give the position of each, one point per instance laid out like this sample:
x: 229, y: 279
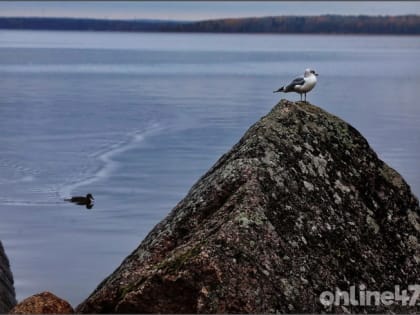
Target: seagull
x: 301, y: 85
x: 82, y: 201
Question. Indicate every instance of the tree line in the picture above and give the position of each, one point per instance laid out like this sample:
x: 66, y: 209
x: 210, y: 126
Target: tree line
x: 323, y: 24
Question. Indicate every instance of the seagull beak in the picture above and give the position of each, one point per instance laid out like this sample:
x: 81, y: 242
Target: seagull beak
x: 316, y: 74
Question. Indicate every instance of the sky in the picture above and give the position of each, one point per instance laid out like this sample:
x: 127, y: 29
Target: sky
x: 199, y: 10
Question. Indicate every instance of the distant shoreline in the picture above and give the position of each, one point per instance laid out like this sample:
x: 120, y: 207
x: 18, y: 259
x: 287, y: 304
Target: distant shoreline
x: 217, y: 33
x: 290, y: 25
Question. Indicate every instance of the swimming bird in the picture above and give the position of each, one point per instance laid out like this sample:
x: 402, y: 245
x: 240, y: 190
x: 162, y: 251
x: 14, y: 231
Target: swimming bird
x: 301, y: 85
x: 82, y: 201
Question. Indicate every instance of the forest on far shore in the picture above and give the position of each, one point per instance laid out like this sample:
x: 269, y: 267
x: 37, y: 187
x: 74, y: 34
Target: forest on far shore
x: 323, y: 24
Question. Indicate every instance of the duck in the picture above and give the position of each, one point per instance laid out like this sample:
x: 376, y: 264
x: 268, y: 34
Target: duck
x: 82, y: 201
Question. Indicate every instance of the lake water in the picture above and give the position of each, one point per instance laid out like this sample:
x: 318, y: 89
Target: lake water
x: 136, y: 118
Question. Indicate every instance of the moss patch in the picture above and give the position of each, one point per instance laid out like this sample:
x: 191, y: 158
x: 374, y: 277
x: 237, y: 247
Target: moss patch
x: 173, y: 264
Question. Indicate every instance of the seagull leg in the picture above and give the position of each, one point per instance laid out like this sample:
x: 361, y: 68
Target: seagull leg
x: 305, y: 97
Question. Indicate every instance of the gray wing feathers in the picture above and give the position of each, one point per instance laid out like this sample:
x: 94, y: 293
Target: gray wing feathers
x: 297, y: 81
x: 290, y: 87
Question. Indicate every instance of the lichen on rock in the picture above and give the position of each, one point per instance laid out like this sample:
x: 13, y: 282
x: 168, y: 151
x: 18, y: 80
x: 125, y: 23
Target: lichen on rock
x: 43, y: 303
x: 300, y: 205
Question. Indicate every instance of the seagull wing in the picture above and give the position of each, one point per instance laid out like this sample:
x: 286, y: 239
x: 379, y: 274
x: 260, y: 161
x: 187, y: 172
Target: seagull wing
x: 297, y: 81
x: 290, y: 87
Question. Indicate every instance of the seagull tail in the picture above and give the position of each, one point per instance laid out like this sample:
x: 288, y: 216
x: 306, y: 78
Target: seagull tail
x: 279, y: 90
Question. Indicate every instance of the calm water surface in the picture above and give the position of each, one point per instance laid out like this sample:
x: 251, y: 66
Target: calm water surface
x: 136, y: 119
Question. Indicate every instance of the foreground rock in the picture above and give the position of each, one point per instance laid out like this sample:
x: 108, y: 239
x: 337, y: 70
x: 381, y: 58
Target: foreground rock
x: 299, y: 206
x: 43, y: 303
x: 7, y: 291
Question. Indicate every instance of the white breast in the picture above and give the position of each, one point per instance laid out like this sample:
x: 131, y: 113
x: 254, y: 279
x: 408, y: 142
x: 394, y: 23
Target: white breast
x: 309, y: 84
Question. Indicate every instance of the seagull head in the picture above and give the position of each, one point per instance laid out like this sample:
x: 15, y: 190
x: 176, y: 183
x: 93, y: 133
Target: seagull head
x: 90, y: 197
x: 309, y: 72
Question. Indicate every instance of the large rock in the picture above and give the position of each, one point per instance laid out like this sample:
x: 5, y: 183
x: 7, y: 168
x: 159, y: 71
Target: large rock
x: 7, y: 291
x: 43, y: 303
x: 300, y: 205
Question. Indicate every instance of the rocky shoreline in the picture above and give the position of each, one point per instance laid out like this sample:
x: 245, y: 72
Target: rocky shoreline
x: 299, y: 206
